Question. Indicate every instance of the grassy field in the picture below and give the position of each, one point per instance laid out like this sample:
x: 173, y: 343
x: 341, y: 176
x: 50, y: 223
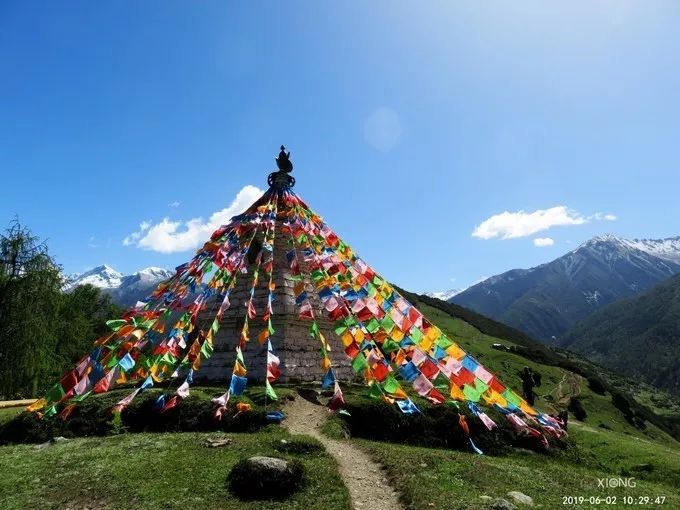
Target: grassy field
x: 441, y: 479
x: 175, y: 470
x: 153, y: 471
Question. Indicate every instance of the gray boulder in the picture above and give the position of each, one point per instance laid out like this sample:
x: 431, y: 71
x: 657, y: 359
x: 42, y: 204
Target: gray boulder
x: 261, y: 478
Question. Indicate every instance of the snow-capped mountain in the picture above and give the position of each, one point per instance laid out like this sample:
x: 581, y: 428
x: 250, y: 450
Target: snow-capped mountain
x: 445, y: 295
x: 668, y: 248
x: 547, y: 300
x: 125, y: 290
x: 104, y: 277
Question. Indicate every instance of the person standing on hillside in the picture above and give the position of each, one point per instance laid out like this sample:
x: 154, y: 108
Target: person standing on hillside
x: 528, y: 384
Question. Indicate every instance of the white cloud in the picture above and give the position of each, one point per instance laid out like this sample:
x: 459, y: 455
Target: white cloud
x: 136, y: 236
x: 383, y: 129
x: 602, y: 216
x: 542, y: 242
x: 176, y: 203
x: 511, y: 225
x: 171, y: 236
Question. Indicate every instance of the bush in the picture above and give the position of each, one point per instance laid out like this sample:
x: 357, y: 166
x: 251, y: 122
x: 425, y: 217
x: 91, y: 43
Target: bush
x: 435, y: 426
x: 26, y: 428
x: 253, y: 481
x: 576, y: 408
x: 596, y: 385
x: 93, y: 417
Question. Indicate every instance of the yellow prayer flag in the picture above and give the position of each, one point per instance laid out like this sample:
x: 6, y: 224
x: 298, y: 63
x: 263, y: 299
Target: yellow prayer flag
x: 37, y: 405
x: 455, y: 352
x: 239, y: 369
x: 397, y: 335
x: 456, y: 393
x: 527, y: 408
x: 347, y: 338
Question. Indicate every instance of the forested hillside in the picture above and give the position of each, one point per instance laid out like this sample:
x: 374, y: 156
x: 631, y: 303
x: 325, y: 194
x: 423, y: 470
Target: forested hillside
x: 637, y: 337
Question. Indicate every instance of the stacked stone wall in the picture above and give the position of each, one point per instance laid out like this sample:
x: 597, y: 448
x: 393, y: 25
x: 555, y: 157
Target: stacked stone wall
x: 298, y: 352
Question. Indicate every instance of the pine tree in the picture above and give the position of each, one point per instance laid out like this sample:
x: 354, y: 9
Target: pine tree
x: 30, y: 284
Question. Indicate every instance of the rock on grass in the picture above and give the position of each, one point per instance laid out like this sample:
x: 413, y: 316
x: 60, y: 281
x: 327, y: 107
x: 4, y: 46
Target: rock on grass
x: 264, y: 478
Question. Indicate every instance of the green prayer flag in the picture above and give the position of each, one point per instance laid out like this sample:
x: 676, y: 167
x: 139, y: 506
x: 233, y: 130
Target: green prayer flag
x: 387, y: 323
x: 56, y: 393
x: 471, y: 393
x: 314, y: 330
x: 444, y: 342
x: 390, y: 384
x: 373, y: 325
x: 512, y: 397
x: 80, y: 398
x: 359, y: 363
x: 390, y: 345
x: 116, y: 324
x: 370, y: 288
x: 441, y: 382
x: 270, y: 391
x: 168, y: 358
x: 375, y: 391
x: 206, y: 350
x: 350, y: 321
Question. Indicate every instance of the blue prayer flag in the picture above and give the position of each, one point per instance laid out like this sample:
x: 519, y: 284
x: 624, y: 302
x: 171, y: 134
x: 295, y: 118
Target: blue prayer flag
x: 238, y: 385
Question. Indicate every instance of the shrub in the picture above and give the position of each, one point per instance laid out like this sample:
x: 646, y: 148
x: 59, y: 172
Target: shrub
x: 576, y: 408
x: 435, y: 426
x: 596, y: 385
x: 193, y: 414
x: 93, y: 417
x: 26, y: 428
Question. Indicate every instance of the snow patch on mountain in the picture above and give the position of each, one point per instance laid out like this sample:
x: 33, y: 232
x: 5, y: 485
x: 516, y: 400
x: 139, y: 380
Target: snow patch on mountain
x: 668, y: 248
x: 592, y: 297
x: 444, y: 295
x: 103, y: 277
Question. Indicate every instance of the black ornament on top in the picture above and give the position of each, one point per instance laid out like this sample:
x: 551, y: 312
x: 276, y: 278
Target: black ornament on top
x: 282, y: 179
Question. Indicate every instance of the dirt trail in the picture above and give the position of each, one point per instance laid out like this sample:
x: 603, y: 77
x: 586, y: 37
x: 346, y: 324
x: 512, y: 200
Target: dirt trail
x: 368, y: 486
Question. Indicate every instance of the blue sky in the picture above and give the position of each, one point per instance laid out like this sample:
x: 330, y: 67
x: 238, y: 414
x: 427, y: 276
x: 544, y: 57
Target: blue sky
x: 412, y: 125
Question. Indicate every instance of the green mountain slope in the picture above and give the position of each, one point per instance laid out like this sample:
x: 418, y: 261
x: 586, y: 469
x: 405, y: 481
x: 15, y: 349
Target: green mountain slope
x: 638, y: 337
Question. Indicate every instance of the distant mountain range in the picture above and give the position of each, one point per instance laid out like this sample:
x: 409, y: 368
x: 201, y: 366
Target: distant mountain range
x: 547, y: 300
x: 639, y: 337
x: 444, y: 295
x: 125, y: 290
